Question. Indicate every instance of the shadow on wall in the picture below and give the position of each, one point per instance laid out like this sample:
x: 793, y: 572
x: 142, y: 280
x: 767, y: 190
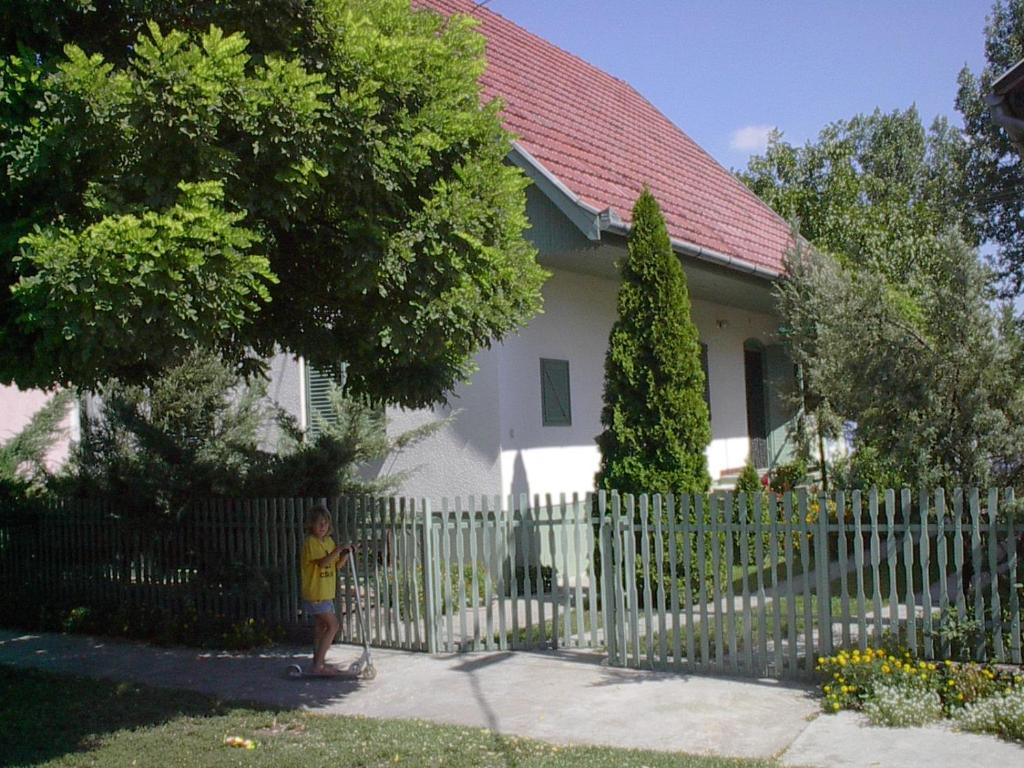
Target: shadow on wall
x: 520, y: 483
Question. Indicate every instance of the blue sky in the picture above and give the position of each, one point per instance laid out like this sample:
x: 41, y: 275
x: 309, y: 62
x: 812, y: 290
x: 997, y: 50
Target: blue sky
x: 726, y: 71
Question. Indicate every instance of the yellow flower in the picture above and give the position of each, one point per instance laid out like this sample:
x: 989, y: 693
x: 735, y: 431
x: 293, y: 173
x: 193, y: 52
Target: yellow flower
x: 821, y: 659
x: 886, y: 669
x: 835, y: 707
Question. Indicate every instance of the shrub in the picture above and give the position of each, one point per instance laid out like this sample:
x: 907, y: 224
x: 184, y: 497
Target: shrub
x: 749, y: 482
x: 197, y: 432
x: 23, y: 470
x: 896, y: 706
x: 1001, y: 714
x: 895, y: 689
x: 756, y: 506
x: 788, y: 477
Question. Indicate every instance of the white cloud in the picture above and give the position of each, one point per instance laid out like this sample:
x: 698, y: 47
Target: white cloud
x: 751, y: 138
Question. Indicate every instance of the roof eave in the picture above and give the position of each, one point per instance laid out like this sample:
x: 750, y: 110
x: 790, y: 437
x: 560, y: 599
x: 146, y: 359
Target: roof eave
x: 586, y: 218
x: 685, y: 248
x: 592, y: 222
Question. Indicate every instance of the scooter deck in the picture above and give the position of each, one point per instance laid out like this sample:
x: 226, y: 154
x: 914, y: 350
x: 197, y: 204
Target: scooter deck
x: 296, y: 672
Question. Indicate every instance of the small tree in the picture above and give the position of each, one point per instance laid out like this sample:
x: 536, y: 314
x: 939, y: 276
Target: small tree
x: 655, y: 419
x: 929, y: 375
x: 198, y: 431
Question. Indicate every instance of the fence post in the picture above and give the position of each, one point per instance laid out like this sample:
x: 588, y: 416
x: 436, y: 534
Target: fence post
x: 604, y: 580
x: 430, y: 612
x: 824, y: 590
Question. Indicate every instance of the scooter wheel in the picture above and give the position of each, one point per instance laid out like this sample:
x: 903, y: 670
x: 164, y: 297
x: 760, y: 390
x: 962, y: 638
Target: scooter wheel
x: 369, y: 673
x: 294, y: 670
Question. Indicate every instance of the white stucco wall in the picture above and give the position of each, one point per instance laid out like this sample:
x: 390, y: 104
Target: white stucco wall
x: 17, y: 407
x: 462, y: 458
x: 286, y: 388
x: 578, y: 314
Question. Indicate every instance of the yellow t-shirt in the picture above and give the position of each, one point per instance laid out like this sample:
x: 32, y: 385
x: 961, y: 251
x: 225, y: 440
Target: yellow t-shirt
x: 318, y: 582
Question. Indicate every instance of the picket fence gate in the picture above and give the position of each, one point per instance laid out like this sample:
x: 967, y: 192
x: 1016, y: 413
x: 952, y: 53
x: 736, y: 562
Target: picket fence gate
x: 723, y: 583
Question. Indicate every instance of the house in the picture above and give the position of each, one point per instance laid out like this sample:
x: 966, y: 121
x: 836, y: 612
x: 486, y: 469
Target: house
x: 1006, y: 103
x: 527, y: 422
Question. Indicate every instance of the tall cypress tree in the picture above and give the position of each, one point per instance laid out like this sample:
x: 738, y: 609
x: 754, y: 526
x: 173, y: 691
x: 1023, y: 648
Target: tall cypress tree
x: 655, y: 419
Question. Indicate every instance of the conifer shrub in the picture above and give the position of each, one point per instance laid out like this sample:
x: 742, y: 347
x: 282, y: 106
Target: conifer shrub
x: 655, y: 419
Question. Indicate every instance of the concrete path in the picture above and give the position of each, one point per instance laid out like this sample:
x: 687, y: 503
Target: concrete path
x: 564, y: 697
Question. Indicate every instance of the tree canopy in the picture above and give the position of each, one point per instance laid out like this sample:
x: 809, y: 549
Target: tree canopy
x: 655, y: 420
x: 874, y: 191
x: 994, y: 174
x: 318, y: 176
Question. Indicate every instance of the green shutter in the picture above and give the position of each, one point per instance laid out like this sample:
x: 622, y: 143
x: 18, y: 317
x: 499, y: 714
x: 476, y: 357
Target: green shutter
x: 556, y: 407
x: 318, y: 396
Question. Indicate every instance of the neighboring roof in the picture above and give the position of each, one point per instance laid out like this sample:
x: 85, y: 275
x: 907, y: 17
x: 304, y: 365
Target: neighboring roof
x: 1011, y: 80
x: 1006, y: 103
x: 604, y: 141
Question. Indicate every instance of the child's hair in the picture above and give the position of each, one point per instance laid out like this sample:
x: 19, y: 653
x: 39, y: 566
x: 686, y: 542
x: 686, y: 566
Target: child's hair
x: 314, y: 515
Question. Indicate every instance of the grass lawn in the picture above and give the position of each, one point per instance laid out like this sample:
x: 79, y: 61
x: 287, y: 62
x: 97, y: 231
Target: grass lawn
x: 49, y: 720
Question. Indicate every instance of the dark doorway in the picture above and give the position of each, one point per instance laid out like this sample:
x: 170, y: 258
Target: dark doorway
x: 757, y: 421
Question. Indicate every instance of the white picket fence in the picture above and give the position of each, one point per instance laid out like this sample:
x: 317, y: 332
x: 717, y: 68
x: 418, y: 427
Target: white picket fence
x: 717, y: 583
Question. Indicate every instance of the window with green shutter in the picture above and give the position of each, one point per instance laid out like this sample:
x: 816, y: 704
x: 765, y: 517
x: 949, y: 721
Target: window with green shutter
x: 556, y: 408
x: 318, y: 401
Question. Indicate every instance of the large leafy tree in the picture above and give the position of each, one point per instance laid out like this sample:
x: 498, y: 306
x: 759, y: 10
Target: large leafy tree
x: 318, y: 176
x: 873, y: 190
x: 995, y: 169
x: 655, y: 419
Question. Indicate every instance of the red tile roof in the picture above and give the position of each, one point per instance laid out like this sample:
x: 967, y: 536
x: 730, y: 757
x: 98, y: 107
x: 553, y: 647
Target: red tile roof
x: 604, y: 141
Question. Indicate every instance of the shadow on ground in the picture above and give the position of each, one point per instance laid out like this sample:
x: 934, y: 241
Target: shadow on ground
x: 43, y: 716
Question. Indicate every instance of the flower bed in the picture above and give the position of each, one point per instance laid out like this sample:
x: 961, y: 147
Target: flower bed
x: 893, y: 688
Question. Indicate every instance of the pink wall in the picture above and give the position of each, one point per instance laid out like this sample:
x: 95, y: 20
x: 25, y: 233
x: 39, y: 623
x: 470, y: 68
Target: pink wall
x: 17, y: 407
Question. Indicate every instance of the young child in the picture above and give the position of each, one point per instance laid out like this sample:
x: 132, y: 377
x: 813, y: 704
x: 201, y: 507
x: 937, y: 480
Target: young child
x: 321, y: 559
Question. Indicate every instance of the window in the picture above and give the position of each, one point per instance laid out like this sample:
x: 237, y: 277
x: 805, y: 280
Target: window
x: 318, y: 399
x: 556, y: 408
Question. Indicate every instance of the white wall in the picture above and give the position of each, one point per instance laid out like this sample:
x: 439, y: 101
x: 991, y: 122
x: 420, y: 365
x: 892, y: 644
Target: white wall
x: 578, y: 314
x: 17, y: 407
x: 496, y: 443
x: 462, y: 458
x: 284, y: 387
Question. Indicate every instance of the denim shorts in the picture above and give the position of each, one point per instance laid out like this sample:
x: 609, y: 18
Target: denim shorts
x: 320, y: 606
